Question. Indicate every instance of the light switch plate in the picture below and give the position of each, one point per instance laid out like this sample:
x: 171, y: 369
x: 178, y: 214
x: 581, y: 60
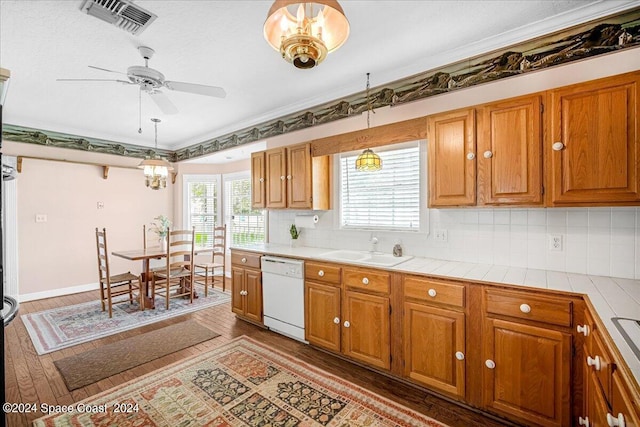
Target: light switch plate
x: 41, y: 218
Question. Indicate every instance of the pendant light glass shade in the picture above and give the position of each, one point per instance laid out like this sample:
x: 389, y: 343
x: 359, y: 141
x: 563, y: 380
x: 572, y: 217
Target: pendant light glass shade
x: 305, y: 32
x: 155, y: 169
x: 368, y: 161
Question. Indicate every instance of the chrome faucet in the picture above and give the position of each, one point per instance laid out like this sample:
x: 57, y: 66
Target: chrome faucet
x: 397, y: 250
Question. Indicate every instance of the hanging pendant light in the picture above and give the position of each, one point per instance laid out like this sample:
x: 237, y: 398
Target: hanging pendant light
x: 156, y: 169
x: 368, y: 161
x: 305, y: 32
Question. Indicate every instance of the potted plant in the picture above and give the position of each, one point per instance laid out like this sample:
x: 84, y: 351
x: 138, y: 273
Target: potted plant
x: 160, y: 226
x: 295, y: 233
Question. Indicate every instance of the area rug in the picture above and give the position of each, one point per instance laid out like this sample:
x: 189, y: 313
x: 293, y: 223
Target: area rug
x: 62, y: 327
x: 242, y: 383
x: 111, y: 359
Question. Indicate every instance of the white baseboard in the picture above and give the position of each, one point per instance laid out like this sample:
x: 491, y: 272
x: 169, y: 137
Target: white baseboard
x: 59, y: 292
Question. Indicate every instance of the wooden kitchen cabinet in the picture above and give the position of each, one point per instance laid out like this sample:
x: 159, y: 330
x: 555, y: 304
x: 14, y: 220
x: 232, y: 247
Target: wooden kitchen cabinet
x: 434, y: 334
x: 322, y: 305
x: 452, y: 167
x: 291, y: 178
x: 593, y: 150
x: 509, y: 159
x: 258, y: 180
x: 527, y: 351
x: 246, y: 286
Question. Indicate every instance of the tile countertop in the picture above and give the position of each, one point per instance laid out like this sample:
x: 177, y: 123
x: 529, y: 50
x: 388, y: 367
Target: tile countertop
x: 610, y: 296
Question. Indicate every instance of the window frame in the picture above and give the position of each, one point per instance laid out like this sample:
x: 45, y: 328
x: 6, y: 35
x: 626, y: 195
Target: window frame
x: 186, y: 195
x: 422, y: 206
x: 235, y: 176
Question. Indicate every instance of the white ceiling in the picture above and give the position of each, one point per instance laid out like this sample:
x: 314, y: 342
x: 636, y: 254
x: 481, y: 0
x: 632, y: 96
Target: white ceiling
x: 220, y: 43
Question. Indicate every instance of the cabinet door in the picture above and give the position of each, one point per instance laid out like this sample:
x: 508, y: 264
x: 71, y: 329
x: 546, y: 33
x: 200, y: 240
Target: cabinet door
x: 299, y: 176
x: 237, y: 290
x: 276, y: 167
x: 253, y: 296
x: 322, y: 315
x: 366, y: 329
x: 258, y: 180
x: 599, y: 160
x: 432, y: 336
x: 622, y: 403
x: 452, y: 175
x: 510, y: 152
x: 531, y: 374
x: 596, y: 405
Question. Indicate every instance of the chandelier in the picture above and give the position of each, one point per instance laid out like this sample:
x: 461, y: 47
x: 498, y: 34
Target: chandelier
x: 368, y: 161
x: 156, y: 169
x: 304, y: 33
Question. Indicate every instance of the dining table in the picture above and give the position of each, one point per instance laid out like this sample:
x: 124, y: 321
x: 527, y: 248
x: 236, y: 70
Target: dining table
x: 146, y: 255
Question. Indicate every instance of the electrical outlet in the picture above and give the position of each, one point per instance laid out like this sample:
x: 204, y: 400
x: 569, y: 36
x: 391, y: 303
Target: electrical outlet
x: 41, y: 218
x: 440, y: 235
x: 100, y: 205
x: 555, y: 242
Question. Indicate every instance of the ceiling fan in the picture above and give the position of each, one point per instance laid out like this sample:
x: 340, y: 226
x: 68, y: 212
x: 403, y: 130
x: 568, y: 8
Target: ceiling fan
x: 151, y: 81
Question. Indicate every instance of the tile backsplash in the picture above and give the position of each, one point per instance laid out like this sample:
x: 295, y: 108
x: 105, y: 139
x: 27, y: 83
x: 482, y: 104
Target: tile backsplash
x: 596, y: 241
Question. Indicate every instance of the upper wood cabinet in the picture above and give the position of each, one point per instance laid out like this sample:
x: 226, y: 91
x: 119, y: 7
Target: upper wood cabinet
x: 258, y: 180
x: 500, y: 142
x: 452, y: 168
x: 289, y: 177
x: 593, y: 152
x: 509, y: 157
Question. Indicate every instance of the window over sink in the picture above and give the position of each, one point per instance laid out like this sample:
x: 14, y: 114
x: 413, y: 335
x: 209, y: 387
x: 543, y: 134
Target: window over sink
x: 388, y: 199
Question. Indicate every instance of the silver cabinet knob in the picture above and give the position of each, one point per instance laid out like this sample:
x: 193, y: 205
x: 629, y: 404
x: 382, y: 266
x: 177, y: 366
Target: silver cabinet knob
x: 583, y: 329
x: 525, y: 308
x: 616, y: 421
x: 557, y: 146
x: 488, y: 154
x: 336, y: 320
x: 594, y: 361
x: 365, y: 281
x: 346, y: 324
x: 243, y: 260
x: 459, y: 355
x: 321, y: 273
x: 490, y: 364
x: 583, y: 421
x: 432, y: 293
x: 471, y: 156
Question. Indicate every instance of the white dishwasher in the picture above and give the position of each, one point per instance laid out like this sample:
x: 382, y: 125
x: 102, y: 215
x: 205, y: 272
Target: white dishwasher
x: 283, y: 296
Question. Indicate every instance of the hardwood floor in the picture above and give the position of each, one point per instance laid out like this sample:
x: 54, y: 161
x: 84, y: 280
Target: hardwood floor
x: 31, y: 378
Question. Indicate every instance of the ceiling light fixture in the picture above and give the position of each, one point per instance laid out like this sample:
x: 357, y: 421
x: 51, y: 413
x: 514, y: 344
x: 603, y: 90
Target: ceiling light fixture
x: 368, y: 161
x: 156, y: 169
x: 304, y: 33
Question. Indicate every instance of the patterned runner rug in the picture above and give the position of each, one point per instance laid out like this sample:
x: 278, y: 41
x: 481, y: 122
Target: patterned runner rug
x: 62, y: 327
x: 242, y: 383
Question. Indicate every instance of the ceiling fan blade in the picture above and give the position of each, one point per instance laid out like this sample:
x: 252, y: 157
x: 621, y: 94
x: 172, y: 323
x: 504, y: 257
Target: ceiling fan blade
x: 104, y: 69
x: 164, y: 103
x: 218, y: 92
x: 95, y: 80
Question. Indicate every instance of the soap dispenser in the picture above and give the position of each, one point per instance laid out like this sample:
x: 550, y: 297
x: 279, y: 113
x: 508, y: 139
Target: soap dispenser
x: 397, y: 249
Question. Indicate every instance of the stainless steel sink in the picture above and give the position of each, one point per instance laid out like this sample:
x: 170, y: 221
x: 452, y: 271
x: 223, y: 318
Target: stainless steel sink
x: 366, y: 258
x: 630, y: 330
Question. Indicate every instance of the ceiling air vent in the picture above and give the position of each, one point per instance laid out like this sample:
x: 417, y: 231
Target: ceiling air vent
x: 121, y: 13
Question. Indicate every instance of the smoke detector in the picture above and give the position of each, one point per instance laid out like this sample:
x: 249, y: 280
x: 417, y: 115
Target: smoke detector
x: 121, y: 13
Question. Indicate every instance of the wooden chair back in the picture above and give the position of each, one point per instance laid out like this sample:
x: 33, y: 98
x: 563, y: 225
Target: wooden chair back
x: 219, y: 243
x: 180, y: 249
x: 103, y: 256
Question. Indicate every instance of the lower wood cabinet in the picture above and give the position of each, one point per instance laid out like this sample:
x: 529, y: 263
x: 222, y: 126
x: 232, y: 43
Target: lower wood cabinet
x: 527, y: 372
x: 322, y: 315
x: 246, y: 286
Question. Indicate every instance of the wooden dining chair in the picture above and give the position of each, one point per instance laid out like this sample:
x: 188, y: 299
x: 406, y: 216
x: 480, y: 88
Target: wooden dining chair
x: 176, y: 278
x: 214, y: 269
x: 114, y: 285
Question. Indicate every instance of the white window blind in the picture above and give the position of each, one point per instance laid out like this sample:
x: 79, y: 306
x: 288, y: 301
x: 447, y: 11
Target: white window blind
x: 203, y: 204
x: 387, y: 199
x: 244, y: 225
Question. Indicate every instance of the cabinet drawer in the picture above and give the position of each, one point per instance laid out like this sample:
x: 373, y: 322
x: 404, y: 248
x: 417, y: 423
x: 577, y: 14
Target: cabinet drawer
x: 322, y: 272
x: 600, y: 362
x: 373, y: 281
x: 434, y: 291
x: 529, y: 307
x: 245, y: 259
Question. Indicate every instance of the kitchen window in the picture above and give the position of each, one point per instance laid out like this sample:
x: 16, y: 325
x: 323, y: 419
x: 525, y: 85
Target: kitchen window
x: 202, y: 206
x: 244, y: 224
x: 388, y: 199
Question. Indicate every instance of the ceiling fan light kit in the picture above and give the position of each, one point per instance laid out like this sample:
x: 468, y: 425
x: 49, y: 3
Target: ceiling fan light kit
x: 306, y: 32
